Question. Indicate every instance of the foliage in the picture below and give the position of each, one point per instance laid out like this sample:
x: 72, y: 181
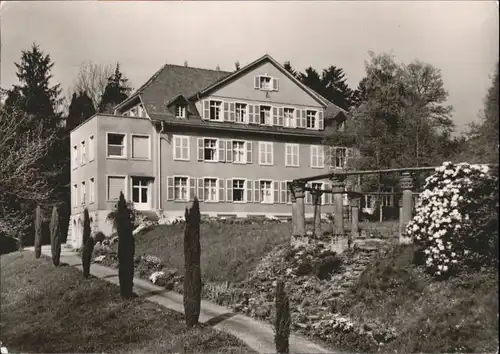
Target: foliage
x: 192, y: 268
x: 38, y: 231
x: 126, y: 247
x: 283, y: 318
x: 483, y: 137
x: 88, y: 244
x: 116, y: 91
x: 456, y: 222
x: 80, y: 109
x: 55, y: 237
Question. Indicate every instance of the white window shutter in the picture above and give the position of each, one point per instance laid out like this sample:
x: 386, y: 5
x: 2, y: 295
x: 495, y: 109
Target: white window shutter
x: 248, y: 189
x: 321, y: 121
x: 229, y: 190
x: 200, y: 149
x: 221, y: 189
x: 298, y: 120
x: 201, y: 189
x: 304, y: 121
x: 229, y: 151
x: 226, y: 111
x: 275, y: 116
x: 250, y: 114
x: 206, y: 109
x: 221, y: 149
x: 256, y: 114
x: 256, y: 191
x: 192, y: 188
x: 308, y: 195
x: 283, y: 192
x: 276, y: 190
x: 170, y: 188
x: 249, y: 151
x: 232, y: 111
x: 275, y: 84
x: 256, y: 82
x: 280, y: 117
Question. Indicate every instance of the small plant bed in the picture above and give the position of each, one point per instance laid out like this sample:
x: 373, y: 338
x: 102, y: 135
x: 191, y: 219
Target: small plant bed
x: 54, y: 309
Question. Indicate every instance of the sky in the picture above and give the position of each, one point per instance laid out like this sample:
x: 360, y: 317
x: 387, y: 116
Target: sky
x: 460, y: 38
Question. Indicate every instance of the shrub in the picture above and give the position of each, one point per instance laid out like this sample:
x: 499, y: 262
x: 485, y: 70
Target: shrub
x: 192, y: 273
x: 88, y: 244
x: 99, y: 236
x: 456, y: 219
x: 124, y: 221
x: 38, y: 232
x: 55, y: 237
x: 113, y: 215
x: 282, y: 321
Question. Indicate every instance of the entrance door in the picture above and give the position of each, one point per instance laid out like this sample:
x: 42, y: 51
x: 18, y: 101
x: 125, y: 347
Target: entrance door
x: 141, y: 193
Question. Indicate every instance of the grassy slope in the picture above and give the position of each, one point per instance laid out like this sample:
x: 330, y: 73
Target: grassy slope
x: 459, y: 314
x: 49, y: 309
x: 229, y: 251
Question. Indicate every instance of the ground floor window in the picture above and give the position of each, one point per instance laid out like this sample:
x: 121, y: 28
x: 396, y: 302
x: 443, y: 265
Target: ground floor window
x: 180, y: 188
x: 266, y: 191
x: 210, y: 189
x: 238, y: 190
x: 140, y: 190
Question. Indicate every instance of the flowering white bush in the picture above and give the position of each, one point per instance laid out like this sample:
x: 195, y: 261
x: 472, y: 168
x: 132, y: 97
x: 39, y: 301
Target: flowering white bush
x: 155, y: 276
x: 445, y: 224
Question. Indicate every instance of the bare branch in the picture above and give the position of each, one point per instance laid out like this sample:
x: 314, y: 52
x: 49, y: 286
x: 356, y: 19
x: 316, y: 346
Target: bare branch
x: 92, y: 79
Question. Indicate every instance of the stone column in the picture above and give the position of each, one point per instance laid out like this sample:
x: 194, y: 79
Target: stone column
x: 338, y: 185
x: 406, y: 183
x: 316, y: 195
x: 294, y: 209
x: 300, y: 212
x: 400, y: 216
x: 355, y: 202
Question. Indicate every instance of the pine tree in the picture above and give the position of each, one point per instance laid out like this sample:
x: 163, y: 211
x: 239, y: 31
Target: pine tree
x: 38, y: 231
x: 192, y: 273
x: 55, y: 237
x: 335, y: 88
x: 283, y: 320
x: 126, y: 247
x: 115, y: 92
x: 88, y: 244
x: 288, y: 67
x: 80, y: 109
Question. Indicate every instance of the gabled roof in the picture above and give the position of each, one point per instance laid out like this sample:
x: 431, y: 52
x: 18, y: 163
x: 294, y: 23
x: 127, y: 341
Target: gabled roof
x: 172, y: 81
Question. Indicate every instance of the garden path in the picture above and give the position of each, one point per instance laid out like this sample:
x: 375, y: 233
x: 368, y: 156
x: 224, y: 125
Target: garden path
x: 256, y: 334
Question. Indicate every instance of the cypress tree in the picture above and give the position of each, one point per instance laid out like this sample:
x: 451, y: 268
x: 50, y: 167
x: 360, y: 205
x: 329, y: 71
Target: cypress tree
x: 55, y: 237
x: 192, y: 276
x: 88, y: 244
x: 38, y: 232
x: 282, y: 321
x: 126, y: 247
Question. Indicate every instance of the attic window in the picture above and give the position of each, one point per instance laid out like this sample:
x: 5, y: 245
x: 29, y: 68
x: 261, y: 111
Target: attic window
x: 266, y: 83
x: 180, y: 111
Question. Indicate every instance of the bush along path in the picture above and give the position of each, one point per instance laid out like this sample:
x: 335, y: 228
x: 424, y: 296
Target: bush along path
x: 256, y: 334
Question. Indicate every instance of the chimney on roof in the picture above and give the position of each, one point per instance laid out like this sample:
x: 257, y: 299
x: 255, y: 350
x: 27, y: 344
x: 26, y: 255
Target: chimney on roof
x: 185, y: 63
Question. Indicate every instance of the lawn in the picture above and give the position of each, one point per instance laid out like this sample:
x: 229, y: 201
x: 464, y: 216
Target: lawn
x: 228, y: 251
x: 47, y: 309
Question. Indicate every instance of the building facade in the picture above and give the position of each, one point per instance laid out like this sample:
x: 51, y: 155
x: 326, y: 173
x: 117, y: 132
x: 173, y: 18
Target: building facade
x: 233, y: 140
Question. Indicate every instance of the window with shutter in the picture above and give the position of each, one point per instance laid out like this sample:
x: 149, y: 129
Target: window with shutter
x: 275, y: 115
x: 280, y: 117
x: 266, y: 191
x: 210, y: 191
x: 256, y: 82
x: 229, y: 150
x: 238, y: 190
x: 250, y: 114
x: 308, y: 195
x: 238, y: 151
x: 298, y: 120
